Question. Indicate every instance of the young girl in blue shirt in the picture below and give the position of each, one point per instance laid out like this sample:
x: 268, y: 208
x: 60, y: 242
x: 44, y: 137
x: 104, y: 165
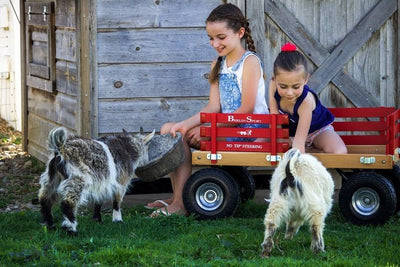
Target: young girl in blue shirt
x: 310, y: 122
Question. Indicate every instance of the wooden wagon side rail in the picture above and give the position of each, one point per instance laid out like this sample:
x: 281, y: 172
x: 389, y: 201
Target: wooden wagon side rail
x: 271, y: 130
x: 372, y: 141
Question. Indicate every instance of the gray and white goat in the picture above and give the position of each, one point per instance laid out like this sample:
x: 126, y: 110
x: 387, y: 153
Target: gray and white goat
x: 81, y: 170
x: 301, y: 191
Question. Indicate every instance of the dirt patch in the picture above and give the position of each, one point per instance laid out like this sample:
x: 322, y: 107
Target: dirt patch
x: 19, y: 172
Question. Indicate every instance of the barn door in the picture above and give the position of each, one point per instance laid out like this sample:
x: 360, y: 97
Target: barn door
x: 40, y: 45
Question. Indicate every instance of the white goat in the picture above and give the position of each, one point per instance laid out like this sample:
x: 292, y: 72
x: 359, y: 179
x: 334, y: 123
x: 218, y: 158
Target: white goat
x: 301, y: 191
x: 81, y: 170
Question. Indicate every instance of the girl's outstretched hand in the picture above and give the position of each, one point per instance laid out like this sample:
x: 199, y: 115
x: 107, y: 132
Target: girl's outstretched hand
x: 173, y: 127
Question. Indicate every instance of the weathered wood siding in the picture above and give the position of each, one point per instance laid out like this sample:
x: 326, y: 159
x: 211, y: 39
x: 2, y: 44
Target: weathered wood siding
x: 352, y: 46
x: 153, y: 58
x: 60, y: 107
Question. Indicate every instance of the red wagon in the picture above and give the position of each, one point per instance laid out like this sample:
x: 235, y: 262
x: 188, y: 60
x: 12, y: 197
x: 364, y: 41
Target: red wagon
x: 370, y: 191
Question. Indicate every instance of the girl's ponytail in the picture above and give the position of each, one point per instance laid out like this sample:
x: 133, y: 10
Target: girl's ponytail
x: 214, y: 75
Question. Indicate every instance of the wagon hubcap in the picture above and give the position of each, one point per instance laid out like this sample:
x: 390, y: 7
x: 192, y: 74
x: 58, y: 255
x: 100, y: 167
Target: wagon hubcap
x: 365, y: 201
x: 209, y: 196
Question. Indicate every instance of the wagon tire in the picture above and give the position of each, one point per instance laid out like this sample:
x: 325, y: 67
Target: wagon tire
x: 211, y: 193
x: 247, y: 186
x: 367, y: 198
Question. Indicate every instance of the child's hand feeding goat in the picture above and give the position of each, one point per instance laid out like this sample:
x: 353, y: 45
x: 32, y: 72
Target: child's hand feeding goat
x: 301, y: 191
x: 82, y: 169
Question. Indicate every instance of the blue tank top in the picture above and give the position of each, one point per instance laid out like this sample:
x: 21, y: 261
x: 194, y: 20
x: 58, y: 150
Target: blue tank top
x: 321, y: 116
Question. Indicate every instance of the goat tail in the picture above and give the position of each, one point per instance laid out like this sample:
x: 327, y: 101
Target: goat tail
x: 290, y: 181
x: 57, y: 139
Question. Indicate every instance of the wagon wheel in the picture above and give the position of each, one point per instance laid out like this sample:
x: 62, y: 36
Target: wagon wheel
x: 211, y: 193
x: 247, y: 187
x: 394, y: 176
x: 367, y: 198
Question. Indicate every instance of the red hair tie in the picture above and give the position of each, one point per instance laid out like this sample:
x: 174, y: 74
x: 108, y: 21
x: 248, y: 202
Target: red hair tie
x: 288, y: 47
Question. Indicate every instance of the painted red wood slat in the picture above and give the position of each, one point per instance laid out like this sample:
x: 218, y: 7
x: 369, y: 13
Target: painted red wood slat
x: 360, y: 126
x: 244, y: 132
x: 213, y: 136
x: 243, y: 118
x: 361, y: 112
x: 393, y: 132
x: 273, y: 137
x: 245, y: 146
x: 364, y: 139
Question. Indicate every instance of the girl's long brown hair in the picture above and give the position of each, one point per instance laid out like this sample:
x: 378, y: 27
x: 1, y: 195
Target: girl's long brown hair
x: 235, y: 19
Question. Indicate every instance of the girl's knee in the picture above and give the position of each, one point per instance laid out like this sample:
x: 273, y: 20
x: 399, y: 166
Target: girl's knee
x: 340, y: 150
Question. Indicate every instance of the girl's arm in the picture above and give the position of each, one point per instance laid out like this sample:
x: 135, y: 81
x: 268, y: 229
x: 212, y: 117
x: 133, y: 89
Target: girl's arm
x: 272, y: 104
x: 305, y: 115
x: 251, y: 76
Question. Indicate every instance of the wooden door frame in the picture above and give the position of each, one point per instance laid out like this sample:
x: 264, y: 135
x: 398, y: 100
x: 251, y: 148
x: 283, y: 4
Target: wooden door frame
x: 24, y: 98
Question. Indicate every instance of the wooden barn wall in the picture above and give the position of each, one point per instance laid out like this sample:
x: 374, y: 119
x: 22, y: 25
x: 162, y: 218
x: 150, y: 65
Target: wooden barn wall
x: 321, y: 28
x: 60, y: 107
x: 153, y: 58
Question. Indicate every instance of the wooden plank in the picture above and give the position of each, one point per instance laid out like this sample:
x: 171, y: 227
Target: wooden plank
x: 397, y: 72
x: 65, y: 44
x: 39, y: 70
x: 38, y: 20
x: 255, y: 11
x: 38, y: 131
x: 39, y: 83
x: 148, y: 113
x: 315, y: 51
x: 153, y: 80
x: 39, y: 7
x: 342, y: 53
x: 153, y: 14
x: 345, y: 161
x: 354, y: 91
x: 374, y: 149
x: 24, y: 58
x: 66, y: 77
x: 65, y: 14
x: 150, y: 45
x: 84, y: 61
x: 60, y: 108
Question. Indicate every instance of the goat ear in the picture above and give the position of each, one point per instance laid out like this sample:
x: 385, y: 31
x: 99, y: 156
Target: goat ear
x: 148, y: 137
x: 125, y: 132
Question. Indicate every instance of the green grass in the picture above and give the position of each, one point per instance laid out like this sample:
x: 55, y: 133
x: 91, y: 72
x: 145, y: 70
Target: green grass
x: 180, y: 241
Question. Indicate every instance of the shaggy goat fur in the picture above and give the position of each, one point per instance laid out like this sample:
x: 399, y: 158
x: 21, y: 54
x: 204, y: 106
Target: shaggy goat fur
x: 81, y: 170
x: 301, y: 191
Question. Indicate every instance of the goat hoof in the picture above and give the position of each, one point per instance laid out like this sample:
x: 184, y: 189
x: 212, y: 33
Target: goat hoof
x: 265, y: 254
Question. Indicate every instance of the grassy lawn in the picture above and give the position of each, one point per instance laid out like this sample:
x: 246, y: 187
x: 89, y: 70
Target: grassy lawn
x: 180, y: 241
